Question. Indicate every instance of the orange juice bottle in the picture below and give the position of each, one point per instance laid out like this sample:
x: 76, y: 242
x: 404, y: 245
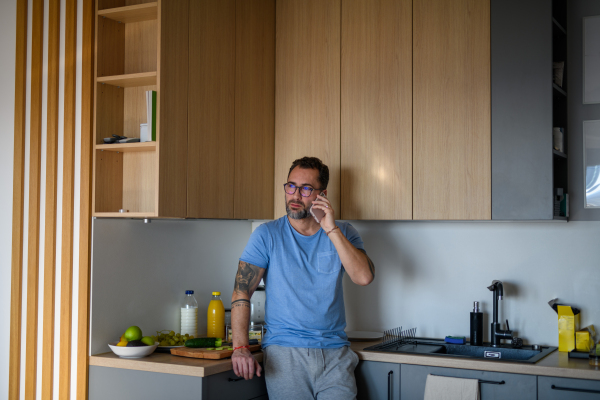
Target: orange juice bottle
x: 215, y: 317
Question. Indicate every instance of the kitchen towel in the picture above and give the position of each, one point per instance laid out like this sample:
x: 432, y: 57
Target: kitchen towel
x: 448, y: 388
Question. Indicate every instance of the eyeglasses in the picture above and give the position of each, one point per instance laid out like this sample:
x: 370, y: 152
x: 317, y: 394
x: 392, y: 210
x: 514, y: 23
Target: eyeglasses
x: 305, y: 191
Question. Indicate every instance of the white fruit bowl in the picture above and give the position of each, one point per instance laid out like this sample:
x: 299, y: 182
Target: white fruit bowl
x: 132, y: 352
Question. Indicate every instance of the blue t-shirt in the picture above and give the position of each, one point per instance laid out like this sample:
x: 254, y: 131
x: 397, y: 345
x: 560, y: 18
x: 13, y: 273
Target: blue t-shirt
x: 303, y: 282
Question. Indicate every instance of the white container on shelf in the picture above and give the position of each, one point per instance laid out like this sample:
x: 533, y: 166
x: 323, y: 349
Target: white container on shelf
x: 144, y: 135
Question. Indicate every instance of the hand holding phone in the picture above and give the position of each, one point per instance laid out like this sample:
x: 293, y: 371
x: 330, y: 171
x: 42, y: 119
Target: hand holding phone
x: 317, y: 213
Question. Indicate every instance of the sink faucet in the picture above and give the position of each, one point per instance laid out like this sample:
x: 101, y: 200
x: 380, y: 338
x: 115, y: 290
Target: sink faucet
x: 498, y: 334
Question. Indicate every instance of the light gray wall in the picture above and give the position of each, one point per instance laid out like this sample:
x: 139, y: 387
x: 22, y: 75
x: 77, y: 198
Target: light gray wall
x: 8, y: 13
x: 578, y: 112
x: 428, y: 274
x: 141, y: 271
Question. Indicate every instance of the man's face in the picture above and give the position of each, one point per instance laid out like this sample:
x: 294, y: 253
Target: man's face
x: 297, y: 206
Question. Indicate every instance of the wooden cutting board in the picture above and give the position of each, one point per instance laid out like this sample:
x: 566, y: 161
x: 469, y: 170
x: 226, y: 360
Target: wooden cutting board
x: 209, y: 354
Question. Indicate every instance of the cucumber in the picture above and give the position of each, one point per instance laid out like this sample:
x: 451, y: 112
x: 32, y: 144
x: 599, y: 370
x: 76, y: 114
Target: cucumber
x: 202, y: 342
x: 210, y: 348
x: 219, y: 348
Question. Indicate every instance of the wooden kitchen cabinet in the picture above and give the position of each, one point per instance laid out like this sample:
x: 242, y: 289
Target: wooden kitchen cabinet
x: 212, y: 65
x: 307, y: 115
x: 376, y: 110
x: 231, y: 109
x: 514, y: 386
x: 451, y: 110
x: 377, y: 380
x: 140, y: 47
x: 554, y: 388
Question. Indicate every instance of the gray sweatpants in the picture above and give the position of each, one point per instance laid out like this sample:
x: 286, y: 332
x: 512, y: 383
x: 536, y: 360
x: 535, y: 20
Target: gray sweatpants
x: 299, y: 373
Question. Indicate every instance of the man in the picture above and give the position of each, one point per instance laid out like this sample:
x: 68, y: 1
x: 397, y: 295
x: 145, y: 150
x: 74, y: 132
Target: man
x: 306, y: 352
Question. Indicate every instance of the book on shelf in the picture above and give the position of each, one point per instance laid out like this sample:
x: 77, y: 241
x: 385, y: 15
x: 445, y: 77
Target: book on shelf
x: 151, y: 116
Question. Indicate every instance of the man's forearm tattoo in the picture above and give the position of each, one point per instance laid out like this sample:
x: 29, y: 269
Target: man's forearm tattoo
x: 245, y: 278
x: 240, y: 303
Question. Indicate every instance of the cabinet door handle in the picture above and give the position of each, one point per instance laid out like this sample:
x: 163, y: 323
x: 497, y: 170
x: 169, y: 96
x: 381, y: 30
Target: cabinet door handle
x: 236, y: 379
x: 390, y: 384
x: 575, y: 390
x: 478, y: 380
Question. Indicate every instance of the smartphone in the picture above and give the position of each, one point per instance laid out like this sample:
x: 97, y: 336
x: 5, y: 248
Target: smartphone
x: 318, y: 214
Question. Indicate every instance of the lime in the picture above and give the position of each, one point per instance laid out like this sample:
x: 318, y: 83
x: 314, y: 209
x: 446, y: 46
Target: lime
x: 148, y: 340
x: 133, y: 333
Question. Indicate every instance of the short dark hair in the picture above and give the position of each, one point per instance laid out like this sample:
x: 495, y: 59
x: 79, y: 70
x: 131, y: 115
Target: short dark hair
x: 313, y: 163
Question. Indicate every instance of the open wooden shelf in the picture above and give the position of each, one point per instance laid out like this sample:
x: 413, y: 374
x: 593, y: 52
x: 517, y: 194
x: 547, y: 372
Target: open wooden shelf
x: 127, y: 147
x: 137, y: 13
x: 130, y: 80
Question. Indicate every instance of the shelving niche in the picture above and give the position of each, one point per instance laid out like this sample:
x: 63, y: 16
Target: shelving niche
x: 136, y: 177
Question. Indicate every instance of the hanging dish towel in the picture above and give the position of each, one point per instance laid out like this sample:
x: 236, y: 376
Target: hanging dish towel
x: 447, y: 388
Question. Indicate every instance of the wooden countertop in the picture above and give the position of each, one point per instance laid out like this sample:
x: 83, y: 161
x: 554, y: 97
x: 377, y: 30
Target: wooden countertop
x: 167, y: 363
x: 555, y: 364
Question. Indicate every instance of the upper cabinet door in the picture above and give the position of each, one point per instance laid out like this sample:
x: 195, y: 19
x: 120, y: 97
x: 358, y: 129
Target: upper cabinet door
x: 211, y: 109
x: 307, y: 90
x: 376, y: 110
x: 451, y: 110
x: 254, y: 109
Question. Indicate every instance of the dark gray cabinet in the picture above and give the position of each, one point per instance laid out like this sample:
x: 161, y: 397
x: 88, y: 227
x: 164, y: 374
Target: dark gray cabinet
x: 118, y: 383
x: 493, y: 385
x: 377, y: 380
x: 522, y: 110
x: 552, y: 388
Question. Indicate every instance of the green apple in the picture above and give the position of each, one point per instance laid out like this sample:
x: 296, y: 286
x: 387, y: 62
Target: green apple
x: 133, y: 333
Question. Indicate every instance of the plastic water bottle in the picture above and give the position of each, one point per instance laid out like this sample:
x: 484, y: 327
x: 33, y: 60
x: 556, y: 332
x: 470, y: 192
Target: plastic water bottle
x: 189, y: 314
x: 215, y: 317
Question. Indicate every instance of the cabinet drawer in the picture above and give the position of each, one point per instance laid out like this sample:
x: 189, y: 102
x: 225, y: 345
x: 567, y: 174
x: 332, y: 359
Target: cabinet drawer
x: 551, y: 388
x: 227, y: 386
x: 514, y: 387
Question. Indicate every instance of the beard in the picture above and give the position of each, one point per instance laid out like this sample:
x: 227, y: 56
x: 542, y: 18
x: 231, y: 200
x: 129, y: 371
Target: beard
x: 300, y: 214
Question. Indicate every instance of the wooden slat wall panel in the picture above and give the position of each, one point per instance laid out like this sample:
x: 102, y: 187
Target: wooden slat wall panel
x: 254, y: 109
x: 211, y: 109
x: 66, y: 284
x: 376, y: 150
x: 85, y: 188
x: 50, y: 208
x: 30, y: 379
x: 33, y: 229
x: 452, y: 110
x: 16, y: 292
x: 307, y: 90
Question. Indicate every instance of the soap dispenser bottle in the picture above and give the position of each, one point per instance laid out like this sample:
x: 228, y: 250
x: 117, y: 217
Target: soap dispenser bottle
x: 476, y: 325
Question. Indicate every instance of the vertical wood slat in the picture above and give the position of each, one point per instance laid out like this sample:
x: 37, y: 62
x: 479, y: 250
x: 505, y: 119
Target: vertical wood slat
x: 66, y: 285
x: 18, y: 202
x: 33, y: 238
x: 51, y: 200
x: 85, y: 190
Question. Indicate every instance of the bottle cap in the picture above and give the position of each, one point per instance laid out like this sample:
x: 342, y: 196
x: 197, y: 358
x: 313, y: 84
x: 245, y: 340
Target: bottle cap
x: 189, y: 292
x: 216, y: 293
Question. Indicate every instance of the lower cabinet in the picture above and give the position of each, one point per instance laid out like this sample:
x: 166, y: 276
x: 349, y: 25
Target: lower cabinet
x: 378, y: 380
x: 493, y: 385
x: 551, y: 388
x: 117, y: 383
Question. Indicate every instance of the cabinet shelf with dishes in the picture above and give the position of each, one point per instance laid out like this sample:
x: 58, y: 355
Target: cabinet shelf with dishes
x: 134, y: 179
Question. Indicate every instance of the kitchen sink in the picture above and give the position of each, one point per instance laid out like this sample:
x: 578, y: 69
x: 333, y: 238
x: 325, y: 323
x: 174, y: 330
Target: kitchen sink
x: 437, y: 347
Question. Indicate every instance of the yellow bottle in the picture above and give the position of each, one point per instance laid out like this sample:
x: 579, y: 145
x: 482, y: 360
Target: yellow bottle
x: 215, y: 317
